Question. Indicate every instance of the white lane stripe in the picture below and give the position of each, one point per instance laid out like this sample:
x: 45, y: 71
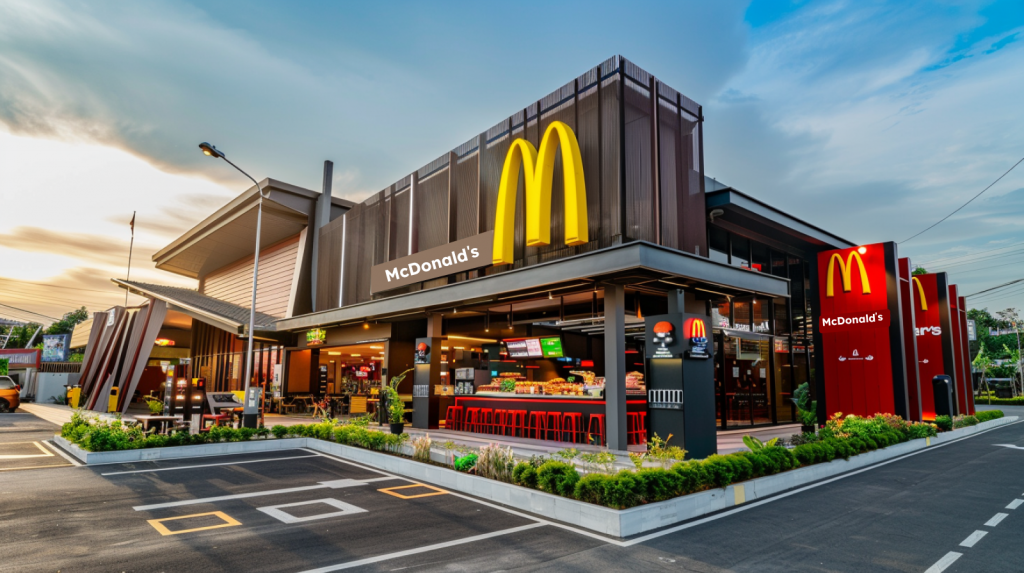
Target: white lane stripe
x: 973, y: 538
x: 424, y: 549
x: 361, y: 466
x: 946, y: 561
x: 225, y: 497
x: 996, y: 519
x: 1015, y: 504
x: 62, y: 454
x: 204, y: 465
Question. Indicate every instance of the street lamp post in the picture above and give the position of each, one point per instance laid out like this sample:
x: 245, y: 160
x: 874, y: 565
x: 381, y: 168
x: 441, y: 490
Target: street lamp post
x: 250, y: 409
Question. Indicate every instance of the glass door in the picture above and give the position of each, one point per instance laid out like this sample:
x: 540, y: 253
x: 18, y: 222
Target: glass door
x: 743, y: 378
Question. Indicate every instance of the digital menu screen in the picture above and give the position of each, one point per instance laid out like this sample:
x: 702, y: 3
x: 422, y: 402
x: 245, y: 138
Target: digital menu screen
x: 551, y: 347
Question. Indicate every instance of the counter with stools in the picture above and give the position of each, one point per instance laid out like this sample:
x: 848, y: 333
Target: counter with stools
x: 574, y: 419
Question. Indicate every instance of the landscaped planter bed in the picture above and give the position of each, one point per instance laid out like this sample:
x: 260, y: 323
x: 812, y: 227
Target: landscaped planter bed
x: 614, y: 522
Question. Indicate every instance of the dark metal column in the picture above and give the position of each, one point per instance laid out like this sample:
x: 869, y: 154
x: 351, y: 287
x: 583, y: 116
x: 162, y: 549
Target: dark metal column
x: 615, y: 365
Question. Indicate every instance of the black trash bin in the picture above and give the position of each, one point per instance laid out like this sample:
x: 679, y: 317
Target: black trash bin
x: 942, y: 386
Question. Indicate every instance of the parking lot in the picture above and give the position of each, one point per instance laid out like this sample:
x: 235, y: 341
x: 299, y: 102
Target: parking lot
x: 292, y: 510
x: 24, y: 446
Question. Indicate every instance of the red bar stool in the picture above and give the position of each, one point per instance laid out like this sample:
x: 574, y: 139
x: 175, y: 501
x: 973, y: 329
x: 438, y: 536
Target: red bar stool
x: 642, y: 435
x: 518, y: 423
x: 632, y: 427
x: 572, y: 424
x: 486, y: 423
x: 555, y: 424
x: 472, y: 419
x: 538, y: 425
x: 500, y: 421
x: 453, y: 418
x: 596, y: 420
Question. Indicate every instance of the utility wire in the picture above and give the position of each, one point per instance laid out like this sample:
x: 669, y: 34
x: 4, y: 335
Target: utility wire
x: 997, y: 287
x: 967, y: 255
x: 967, y: 203
x: 43, y: 315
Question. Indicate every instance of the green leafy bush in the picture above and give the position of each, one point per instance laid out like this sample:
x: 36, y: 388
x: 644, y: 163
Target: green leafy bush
x: 783, y: 458
x: 658, y: 484
x: 622, y: 490
x: 986, y: 415
x: 759, y: 463
x: 558, y: 478
x: 742, y: 469
x: 465, y: 463
x: 963, y: 421
x: 525, y: 474
x: 719, y: 470
x: 805, y: 454
x: 692, y: 476
x: 945, y: 423
x: 279, y: 431
x: 590, y: 488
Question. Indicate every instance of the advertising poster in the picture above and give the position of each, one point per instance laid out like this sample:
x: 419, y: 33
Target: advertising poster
x: 860, y: 329
x: 55, y: 347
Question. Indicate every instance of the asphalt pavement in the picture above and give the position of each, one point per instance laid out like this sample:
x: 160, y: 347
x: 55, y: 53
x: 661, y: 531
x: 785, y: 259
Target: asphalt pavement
x: 304, y: 511
x: 24, y: 445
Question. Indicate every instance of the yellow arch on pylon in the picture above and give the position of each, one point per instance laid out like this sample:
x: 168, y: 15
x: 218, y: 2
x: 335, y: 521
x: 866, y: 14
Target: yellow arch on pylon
x: 920, y: 292
x: 539, y: 168
x: 844, y: 270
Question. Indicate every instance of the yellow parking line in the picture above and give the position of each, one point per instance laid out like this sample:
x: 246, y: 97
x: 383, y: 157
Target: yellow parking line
x: 391, y: 491
x: 36, y: 467
x: 46, y: 453
x: 159, y: 526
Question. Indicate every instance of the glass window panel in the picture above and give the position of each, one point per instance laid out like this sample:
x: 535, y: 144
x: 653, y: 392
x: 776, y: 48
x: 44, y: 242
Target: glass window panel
x: 720, y: 315
x: 741, y: 252
x: 759, y: 257
x: 719, y: 245
x: 782, y: 326
x: 779, y: 264
x: 761, y: 314
x: 741, y: 315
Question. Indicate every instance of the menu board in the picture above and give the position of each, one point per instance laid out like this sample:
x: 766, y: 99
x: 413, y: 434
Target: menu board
x: 550, y: 347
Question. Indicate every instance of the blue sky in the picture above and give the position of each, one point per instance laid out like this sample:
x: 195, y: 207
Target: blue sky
x: 870, y: 119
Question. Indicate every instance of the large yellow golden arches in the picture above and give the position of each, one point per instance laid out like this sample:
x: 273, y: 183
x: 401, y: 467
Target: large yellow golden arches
x: 920, y: 292
x: 845, y: 270
x: 538, y: 171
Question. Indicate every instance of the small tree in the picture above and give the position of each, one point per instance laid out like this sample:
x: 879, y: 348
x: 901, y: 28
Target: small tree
x: 1015, y: 359
x: 3, y: 366
x: 983, y: 362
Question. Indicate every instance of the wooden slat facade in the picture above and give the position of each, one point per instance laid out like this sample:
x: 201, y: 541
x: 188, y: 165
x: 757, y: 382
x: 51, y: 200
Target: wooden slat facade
x: 233, y: 283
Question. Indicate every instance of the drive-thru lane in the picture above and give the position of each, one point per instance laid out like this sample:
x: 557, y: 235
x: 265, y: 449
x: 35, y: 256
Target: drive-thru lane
x: 302, y: 511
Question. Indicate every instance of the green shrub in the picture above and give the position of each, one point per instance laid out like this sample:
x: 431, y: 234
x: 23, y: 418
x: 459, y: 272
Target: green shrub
x: 917, y: 431
x: 465, y: 463
x: 719, y: 470
x: 825, y: 451
x: 590, y: 488
x: 805, y: 454
x: 621, y: 490
x: 524, y: 474
x: 783, y: 458
x: 692, y: 476
x: 279, y: 431
x: 742, y: 469
x: 262, y: 432
x: 964, y: 421
x: 658, y: 484
x: 945, y: 423
x: 870, y: 443
x: 842, y: 449
x: 558, y: 478
x: 986, y: 415
x: 759, y: 462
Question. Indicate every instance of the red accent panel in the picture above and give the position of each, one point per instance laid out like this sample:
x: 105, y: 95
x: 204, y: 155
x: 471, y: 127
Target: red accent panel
x: 969, y: 386
x: 857, y: 361
x: 958, y: 351
x: 929, y: 335
x: 908, y: 294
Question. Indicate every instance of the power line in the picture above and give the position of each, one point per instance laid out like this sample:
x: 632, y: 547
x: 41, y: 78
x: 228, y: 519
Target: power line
x: 1006, y: 284
x: 967, y: 203
x: 964, y: 256
x: 29, y: 312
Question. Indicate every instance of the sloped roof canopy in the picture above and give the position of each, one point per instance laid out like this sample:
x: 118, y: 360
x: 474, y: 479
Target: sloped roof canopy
x: 212, y: 311
x: 228, y: 234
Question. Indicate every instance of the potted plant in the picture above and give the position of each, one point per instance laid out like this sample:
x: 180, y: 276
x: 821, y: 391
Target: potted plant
x: 806, y: 409
x: 155, y: 407
x: 396, y: 406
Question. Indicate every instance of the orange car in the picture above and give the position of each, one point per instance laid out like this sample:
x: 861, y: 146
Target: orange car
x: 9, y: 397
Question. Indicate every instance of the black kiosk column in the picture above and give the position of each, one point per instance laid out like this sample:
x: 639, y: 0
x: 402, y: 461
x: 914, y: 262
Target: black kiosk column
x: 681, y: 382
x: 427, y: 374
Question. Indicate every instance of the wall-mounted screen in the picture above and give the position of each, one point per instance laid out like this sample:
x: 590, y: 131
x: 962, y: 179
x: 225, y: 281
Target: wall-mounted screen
x: 546, y: 347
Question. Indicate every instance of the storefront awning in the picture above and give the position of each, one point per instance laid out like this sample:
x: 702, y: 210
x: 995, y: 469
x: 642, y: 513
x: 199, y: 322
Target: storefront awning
x: 212, y: 311
x: 623, y: 264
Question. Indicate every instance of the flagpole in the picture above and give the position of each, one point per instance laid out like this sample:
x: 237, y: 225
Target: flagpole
x: 131, y: 246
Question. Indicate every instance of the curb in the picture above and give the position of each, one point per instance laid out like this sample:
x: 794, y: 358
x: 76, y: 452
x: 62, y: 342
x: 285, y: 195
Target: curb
x: 613, y: 522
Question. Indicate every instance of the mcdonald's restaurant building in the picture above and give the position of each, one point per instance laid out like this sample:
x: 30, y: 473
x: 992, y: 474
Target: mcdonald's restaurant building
x: 568, y: 274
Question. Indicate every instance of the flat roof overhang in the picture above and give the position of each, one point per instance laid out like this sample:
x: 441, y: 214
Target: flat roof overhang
x: 630, y: 263
x: 744, y: 214
x: 228, y: 235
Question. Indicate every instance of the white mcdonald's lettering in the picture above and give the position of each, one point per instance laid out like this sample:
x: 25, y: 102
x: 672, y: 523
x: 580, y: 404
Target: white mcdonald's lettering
x: 870, y: 318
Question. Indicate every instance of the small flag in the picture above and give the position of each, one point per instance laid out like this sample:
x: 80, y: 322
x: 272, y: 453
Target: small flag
x: 132, y: 224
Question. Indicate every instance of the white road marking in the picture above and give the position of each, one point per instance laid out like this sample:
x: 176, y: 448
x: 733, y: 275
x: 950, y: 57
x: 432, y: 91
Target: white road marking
x: 1009, y: 446
x: 424, y: 549
x: 1015, y: 504
x: 333, y: 484
x: 71, y: 459
x: 342, y: 507
x: 996, y: 519
x: 973, y: 538
x: 946, y: 561
x: 203, y: 466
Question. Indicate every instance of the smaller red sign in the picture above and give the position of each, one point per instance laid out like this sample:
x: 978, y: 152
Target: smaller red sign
x: 860, y: 321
